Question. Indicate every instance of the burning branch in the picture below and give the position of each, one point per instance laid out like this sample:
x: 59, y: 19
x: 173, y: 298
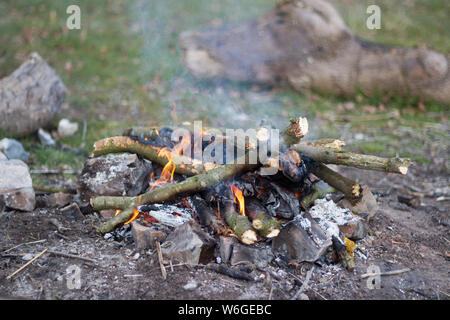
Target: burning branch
x: 184, y: 165
x: 240, y: 224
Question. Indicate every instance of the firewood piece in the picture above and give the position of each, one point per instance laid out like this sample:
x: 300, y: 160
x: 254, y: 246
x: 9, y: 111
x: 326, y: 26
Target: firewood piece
x: 348, y: 187
x: 193, y: 184
x: 297, y: 129
x: 207, y: 216
x: 184, y: 165
x: 241, y: 225
x: 362, y: 161
x: 346, y: 258
x: 335, y: 144
x: 31, y: 97
x: 261, y: 220
x: 224, y: 269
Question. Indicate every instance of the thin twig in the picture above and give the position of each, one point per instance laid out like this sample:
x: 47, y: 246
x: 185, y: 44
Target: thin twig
x: 26, y: 264
x: 160, y: 259
x: 67, y: 255
x: 304, y: 284
x: 388, y: 273
x: 25, y: 243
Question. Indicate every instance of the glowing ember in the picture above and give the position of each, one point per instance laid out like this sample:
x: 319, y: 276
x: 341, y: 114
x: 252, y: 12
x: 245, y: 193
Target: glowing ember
x: 117, y: 212
x: 238, y: 198
x: 156, y: 130
x: 134, y: 216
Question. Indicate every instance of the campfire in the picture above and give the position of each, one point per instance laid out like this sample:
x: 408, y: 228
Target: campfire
x: 209, y: 186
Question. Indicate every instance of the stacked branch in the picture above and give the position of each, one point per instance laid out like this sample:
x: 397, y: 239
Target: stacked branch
x: 184, y: 165
x: 335, y: 156
x: 262, y: 221
x: 207, y: 175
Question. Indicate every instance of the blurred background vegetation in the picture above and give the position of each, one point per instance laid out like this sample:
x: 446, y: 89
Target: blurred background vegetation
x: 124, y: 68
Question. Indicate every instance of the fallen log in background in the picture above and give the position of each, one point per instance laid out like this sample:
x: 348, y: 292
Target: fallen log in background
x: 306, y: 44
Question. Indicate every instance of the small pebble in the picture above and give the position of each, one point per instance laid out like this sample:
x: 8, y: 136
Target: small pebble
x: 303, y: 296
x: 27, y: 257
x: 191, y: 285
x: 136, y: 256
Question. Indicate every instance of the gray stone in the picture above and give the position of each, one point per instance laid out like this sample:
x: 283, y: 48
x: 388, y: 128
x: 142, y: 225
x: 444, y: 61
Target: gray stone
x: 54, y: 200
x: 16, y: 186
x: 13, y: 149
x: 189, y: 244
x: 2, y: 156
x: 252, y: 255
x: 72, y: 212
x: 301, y: 240
x: 123, y: 174
x: 45, y: 138
x: 226, y: 248
x: 31, y: 96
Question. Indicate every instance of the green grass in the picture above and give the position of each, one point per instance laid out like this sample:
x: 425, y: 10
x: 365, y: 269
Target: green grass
x: 124, y: 67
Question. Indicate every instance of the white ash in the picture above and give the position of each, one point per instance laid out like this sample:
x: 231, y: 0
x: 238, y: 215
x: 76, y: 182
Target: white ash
x: 170, y: 215
x: 330, y: 216
x: 302, y: 222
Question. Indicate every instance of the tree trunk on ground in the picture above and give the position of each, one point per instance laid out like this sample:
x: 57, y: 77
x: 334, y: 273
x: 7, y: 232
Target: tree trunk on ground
x: 307, y: 44
x: 30, y: 97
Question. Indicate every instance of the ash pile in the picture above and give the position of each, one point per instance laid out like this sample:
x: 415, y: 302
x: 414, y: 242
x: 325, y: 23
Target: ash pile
x: 149, y: 188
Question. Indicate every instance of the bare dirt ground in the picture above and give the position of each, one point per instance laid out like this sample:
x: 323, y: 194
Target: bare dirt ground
x: 400, y: 236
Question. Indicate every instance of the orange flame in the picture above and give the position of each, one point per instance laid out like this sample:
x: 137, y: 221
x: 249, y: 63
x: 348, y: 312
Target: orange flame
x: 157, y: 132
x: 238, y: 198
x: 134, y: 216
x: 169, y: 169
x: 117, y: 212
